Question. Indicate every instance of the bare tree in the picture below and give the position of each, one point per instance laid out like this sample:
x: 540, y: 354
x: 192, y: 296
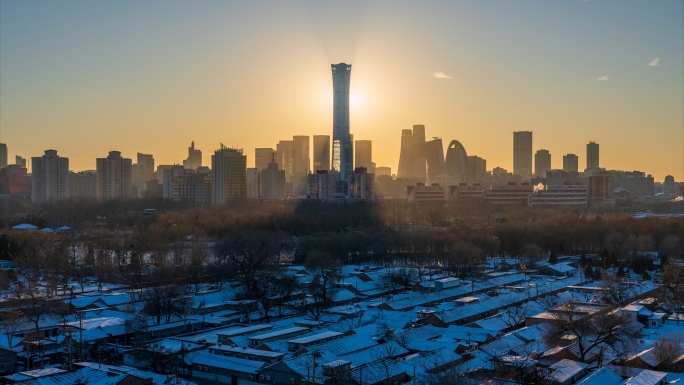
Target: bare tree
x: 617, y: 291
x: 668, y: 348
x: 10, y: 322
x: 591, y: 331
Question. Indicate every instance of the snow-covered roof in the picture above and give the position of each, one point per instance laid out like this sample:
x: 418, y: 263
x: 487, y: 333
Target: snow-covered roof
x: 566, y: 369
x: 648, y: 377
x: 602, y: 376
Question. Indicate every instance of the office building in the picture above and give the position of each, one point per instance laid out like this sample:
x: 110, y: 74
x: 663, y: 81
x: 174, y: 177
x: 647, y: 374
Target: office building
x: 322, y: 184
x: 262, y: 157
x: 669, y: 185
x: 3, y: 155
x: 49, y: 177
x: 456, y: 164
x: 592, y: 155
x: 15, y: 181
x: 416, y: 153
x: 361, y: 184
x: 477, y: 169
x: 187, y: 185
x: 542, y: 163
x: 570, y: 163
x: 20, y: 161
x: 300, y: 155
x: 383, y: 171
x: 363, y: 154
x: 194, y: 159
x: 83, y: 184
x: 228, y: 175
x: 568, y: 196
x: 167, y: 178
x: 284, y: 157
x: 253, y: 183
x: 522, y: 154
x: 147, y: 161
x: 511, y: 193
x: 273, y: 184
x: 321, y: 152
x: 342, y: 158
x: 637, y: 183
x: 114, y: 177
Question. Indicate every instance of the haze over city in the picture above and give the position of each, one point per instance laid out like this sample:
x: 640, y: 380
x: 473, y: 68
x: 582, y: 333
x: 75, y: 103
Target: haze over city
x: 86, y: 78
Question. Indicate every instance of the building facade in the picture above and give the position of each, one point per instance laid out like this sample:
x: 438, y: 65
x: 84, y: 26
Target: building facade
x: 343, y: 158
x: 570, y: 163
x: 273, y: 184
x: 83, y: 184
x: 49, y: 177
x: 522, y: 154
x: 362, y: 184
x: 228, y: 175
x: 542, y: 162
x: 194, y: 159
x: 262, y: 157
x: 321, y: 152
x: 114, y: 177
x: 592, y: 155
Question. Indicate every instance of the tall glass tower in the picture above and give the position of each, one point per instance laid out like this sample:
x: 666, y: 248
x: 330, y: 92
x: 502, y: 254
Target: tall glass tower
x: 342, y: 159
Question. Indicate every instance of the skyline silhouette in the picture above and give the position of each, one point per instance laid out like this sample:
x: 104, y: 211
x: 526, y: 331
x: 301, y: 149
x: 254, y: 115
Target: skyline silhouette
x: 86, y: 79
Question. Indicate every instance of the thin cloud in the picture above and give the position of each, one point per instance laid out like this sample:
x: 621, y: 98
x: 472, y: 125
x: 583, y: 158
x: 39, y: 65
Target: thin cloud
x: 603, y: 78
x: 655, y: 62
x: 441, y: 75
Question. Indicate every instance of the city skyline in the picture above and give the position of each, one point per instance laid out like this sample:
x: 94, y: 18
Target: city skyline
x: 73, y: 85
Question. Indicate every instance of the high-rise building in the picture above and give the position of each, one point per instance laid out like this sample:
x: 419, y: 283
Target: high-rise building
x: 342, y: 159
x: 592, y: 155
x: 363, y: 155
x: 191, y: 185
x: 477, y: 168
x: 20, y: 161
x: 322, y: 184
x: 147, y: 160
x: 273, y: 185
x: 570, y: 163
x: 228, y: 175
x: 194, y: 159
x: 522, y: 154
x: 456, y: 164
x: 300, y: 155
x: 114, y: 177
x: 3, y: 155
x: 321, y: 152
x: 284, y: 157
x: 83, y: 185
x: 167, y: 179
x: 361, y: 184
x: 262, y: 157
x: 253, y: 183
x: 542, y: 163
x: 669, y: 185
x: 49, y: 177
x: 416, y: 153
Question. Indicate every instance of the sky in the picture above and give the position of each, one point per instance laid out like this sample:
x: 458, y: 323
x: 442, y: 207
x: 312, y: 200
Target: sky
x: 88, y: 77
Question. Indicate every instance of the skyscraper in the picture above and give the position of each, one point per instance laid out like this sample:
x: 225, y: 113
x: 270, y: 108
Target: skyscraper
x: 321, y: 152
x: 262, y: 157
x: 522, y: 154
x: 228, y: 175
x: 49, y: 177
x: 342, y: 159
x: 542, y: 163
x: 477, y: 169
x: 114, y: 177
x: 3, y: 155
x: 284, y: 157
x: 147, y: 161
x: 363, y: 154
x: 592, y: 155
x: 194, y: 159
x: 416, y: 153
x: 300, y: 155
x: 570, y: 163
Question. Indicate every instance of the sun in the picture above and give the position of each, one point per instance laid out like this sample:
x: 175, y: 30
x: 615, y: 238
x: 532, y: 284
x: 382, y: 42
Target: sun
x: 356, y: 100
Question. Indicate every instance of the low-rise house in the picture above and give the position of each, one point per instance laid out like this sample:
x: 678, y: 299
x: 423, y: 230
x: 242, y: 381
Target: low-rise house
x: 566, y: 372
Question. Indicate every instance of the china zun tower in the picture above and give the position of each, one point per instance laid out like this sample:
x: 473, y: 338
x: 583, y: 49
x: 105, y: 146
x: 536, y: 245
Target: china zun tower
x: 342, y: 146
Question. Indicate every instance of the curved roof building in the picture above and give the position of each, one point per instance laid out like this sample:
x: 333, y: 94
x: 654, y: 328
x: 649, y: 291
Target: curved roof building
x: 456, y: 163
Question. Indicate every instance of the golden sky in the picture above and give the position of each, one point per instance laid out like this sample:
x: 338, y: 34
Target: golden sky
x: 85, y: 77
